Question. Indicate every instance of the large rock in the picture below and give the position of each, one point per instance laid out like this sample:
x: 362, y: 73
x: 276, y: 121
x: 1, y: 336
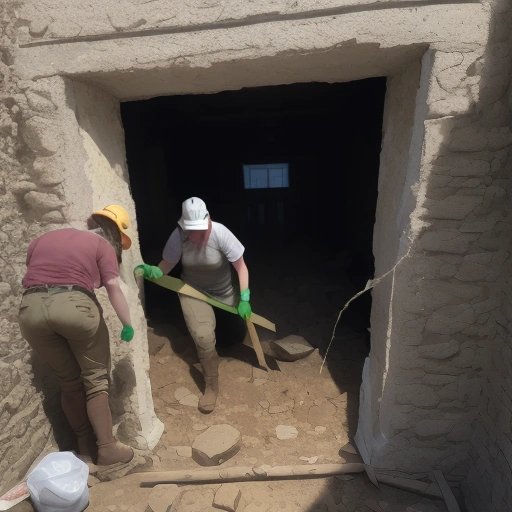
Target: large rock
x: 291, y: 348
x: 162, y: 497
x: 227, y: 497
x: 216, y: 445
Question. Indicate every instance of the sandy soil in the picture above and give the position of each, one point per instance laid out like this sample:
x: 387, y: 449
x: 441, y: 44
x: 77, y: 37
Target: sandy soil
x: 255, y: 402
x: 321, y: 406
x: 303, y: 298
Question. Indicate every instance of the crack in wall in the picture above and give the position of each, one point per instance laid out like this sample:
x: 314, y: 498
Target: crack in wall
x: 369, y: 285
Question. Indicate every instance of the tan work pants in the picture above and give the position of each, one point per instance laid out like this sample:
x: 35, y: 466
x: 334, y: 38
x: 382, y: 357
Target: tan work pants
x: 67, y: 330
x: 200, y: 320
x: 206, y: 325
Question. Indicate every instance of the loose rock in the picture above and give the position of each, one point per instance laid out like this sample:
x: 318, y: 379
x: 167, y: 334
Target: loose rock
x: 286, y: 432
x: 291, y: 348
x: 162, y: 497
x: 227, y: 498
x: 216, y: 445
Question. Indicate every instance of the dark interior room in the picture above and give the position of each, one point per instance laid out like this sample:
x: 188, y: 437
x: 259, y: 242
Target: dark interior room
x: 309, y: 154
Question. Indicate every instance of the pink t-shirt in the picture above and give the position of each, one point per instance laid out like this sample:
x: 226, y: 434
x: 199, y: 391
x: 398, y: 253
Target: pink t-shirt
x: 70, y: 256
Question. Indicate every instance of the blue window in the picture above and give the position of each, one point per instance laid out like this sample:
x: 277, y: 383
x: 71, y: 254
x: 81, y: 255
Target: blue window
x: 266, y: 176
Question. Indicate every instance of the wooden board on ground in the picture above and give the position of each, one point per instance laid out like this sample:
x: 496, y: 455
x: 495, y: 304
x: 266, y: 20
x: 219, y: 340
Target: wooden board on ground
x: 449, y: 498
x: 240, y: 474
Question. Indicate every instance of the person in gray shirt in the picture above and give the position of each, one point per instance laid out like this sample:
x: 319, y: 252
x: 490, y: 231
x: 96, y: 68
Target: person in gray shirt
x: 207, y: 250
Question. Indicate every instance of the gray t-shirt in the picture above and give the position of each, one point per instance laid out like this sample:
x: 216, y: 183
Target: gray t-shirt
x: 207, y: 268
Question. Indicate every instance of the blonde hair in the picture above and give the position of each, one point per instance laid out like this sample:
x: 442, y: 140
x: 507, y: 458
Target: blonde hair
x: 110, y: 232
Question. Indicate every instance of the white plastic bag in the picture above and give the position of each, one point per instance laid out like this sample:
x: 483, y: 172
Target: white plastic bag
x: 59, y: 483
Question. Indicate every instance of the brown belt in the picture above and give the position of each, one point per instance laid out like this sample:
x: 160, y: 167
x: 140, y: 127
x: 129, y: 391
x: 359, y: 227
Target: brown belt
x: 61, y: 287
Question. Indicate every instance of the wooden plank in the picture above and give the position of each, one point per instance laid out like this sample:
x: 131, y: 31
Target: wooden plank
x: 449, y: 498
x: 256, y: 345
x: 241, y: 473
x: 409, y: 484
x: 177, y: 285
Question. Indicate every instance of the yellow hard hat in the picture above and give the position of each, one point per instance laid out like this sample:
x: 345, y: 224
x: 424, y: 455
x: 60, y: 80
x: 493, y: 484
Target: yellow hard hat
x: 121, y: 218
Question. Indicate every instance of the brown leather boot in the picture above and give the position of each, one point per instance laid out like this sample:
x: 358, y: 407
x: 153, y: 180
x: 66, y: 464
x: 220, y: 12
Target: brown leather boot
x: 210, y: 366
x: 110, y: 451
x: 73, y: 404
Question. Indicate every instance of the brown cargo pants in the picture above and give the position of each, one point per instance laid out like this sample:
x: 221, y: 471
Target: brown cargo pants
x: 67, y: 330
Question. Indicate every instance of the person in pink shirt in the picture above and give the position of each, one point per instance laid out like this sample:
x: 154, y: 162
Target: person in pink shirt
x: 62, y: 321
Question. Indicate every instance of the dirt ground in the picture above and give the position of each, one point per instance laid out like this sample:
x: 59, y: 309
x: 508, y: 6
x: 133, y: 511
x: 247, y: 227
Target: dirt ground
x: 255, y: 404
x: 302, y: 296
x: 321, y: 406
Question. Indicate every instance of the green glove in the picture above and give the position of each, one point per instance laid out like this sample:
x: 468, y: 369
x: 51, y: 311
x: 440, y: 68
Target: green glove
x: 244, y: 307
x: 127, y: 333
x: 150, y: 271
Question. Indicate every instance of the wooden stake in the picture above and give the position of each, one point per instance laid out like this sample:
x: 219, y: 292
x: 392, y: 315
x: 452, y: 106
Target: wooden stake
x: 449, y: 498
x: 256, y: 345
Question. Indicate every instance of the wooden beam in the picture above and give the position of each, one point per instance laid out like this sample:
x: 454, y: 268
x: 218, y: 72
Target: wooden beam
x: 241, y: 473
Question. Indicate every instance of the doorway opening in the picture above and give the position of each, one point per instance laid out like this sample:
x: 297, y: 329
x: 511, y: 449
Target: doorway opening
x: 308, y: 244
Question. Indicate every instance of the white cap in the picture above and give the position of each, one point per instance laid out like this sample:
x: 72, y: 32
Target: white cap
x: 194, y: 215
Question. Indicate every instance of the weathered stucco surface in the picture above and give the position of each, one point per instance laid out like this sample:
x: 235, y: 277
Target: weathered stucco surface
x: 22, y: 420
x: 436, y: 389
x: 76, y: 164
x: 366, y: 43
x: 489, y: 479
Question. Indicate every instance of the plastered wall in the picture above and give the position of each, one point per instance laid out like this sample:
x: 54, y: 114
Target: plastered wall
x: 22, y: 419
x: 488, y: 485
x: 62, y: 157
x: 446, y: 401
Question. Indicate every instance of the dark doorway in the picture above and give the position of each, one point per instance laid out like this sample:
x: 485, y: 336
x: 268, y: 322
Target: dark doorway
x: 320, y: 228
